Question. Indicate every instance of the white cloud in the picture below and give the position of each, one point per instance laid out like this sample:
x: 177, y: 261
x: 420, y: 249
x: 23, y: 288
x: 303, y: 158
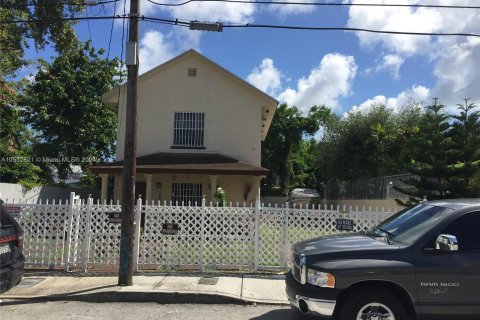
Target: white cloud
x: 394, y: 19
x: 215, y: 11
x: 154, y: 50
x: 291, y: 9
x: 329, y: 81
x: 457, y: 73
x: 391, y: 63
x: 453, y: 57
x: 205, y: 11
x: 416, y: 95
x: 266, y: 77
x: 156, y: 47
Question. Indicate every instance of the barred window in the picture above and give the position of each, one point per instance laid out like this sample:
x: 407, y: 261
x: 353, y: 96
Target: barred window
x: 187, y: 193
x: 188, y: 129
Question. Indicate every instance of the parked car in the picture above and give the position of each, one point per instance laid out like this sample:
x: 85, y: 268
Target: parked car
x: 421, y: 262
x: 12, y: 260
x: 303, y: 197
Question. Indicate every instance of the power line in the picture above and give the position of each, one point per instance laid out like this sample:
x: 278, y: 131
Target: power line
x: 264, y: 26
x: 111, y: 31
x: 330, y: 4
x: 62, y: 19
x: 352, y: 29
x: 68, y: 3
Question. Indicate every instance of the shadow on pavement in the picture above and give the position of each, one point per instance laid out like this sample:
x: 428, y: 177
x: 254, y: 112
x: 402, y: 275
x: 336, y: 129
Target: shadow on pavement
x: 280, y: 314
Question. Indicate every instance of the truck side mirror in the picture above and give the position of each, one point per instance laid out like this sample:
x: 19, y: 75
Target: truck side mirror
x: 446, y: 242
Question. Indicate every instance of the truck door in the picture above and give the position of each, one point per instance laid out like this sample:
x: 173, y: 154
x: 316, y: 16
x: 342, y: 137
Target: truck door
x: 449, y: 282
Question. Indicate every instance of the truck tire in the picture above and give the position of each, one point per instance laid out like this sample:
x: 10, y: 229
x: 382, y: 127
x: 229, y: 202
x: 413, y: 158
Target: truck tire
x: 372, y: 304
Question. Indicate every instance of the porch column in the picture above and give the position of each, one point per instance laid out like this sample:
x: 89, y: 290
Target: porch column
x: 213, y: 187
x: 256, y: 187
x: 148, y: 179
x: 103, y: 194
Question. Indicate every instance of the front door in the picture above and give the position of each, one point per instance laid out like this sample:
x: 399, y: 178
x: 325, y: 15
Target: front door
x: 449, y: 282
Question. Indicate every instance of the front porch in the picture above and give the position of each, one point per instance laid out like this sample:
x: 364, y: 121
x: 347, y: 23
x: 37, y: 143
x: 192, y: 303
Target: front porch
x: 185, y: 178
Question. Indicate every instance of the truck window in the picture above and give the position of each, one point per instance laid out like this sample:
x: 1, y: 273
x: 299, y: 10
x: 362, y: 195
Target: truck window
x: 466, y: 229
x: 408, y: 225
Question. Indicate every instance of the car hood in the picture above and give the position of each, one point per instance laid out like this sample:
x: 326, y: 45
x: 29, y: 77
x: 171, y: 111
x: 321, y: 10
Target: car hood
x: 344, y: 245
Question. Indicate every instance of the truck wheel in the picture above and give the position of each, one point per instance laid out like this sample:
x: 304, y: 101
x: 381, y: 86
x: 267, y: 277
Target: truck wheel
x: 372, y: 305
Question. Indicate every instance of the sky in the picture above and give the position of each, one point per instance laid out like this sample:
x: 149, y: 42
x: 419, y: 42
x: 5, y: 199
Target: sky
x: 342, y: 70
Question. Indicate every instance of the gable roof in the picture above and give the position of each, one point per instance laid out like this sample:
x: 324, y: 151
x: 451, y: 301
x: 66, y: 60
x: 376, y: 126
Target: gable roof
x: 111, y: 97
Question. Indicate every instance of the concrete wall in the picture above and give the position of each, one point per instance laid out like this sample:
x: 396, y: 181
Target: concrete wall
x: 233, y: 112
x: 11, y: 191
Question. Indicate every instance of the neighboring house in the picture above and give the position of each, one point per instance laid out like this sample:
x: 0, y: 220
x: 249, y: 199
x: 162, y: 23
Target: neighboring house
x: 199, y: 127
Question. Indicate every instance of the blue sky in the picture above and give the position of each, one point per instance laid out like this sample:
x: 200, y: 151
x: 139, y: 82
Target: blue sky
x: 343, y: 70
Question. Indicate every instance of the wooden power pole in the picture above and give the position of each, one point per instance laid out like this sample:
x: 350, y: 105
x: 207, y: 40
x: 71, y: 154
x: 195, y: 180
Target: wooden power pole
x: 125, y: 273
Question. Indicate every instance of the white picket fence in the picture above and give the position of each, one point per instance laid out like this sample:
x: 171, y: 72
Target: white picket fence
x: 84, y: 235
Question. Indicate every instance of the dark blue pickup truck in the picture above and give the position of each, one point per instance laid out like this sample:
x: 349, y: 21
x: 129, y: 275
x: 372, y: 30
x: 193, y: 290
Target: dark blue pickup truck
x: 423, y: 262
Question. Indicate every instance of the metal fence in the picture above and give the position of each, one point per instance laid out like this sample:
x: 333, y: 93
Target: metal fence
x: 84, y: 235
x: 374, y: 188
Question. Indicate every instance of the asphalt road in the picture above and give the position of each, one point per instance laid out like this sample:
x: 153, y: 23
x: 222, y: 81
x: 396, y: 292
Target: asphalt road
x: 59, y: 310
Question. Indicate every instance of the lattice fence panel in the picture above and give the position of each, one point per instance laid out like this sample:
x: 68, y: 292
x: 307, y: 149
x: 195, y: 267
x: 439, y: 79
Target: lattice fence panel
x: 209, y: 238
x: 171, y: 251
x: 44, y: 239
x: 366, y: 219
x: 272, y: 246
x: 228, y: 237
x: 104, y: 246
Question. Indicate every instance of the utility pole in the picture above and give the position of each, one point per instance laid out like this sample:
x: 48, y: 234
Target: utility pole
x: 125, y: 273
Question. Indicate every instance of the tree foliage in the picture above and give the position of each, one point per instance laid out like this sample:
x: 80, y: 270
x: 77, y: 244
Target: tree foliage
x: 64, y: 108
x: 367, y: 144
x: 431, y: 153
x: 284, y: 139
x: 15, y: 159
x: 465, y: 133
x: 440, y: 150
x: 48, y: 29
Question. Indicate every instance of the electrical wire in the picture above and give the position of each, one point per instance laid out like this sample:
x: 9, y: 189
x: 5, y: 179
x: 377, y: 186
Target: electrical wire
x: 35, y: 3
x: 111, y: 30
x: 62, y: 19
x: 351, y: 29
x: 330, y: 4
x: 88, y: 23
x: 264, y: 26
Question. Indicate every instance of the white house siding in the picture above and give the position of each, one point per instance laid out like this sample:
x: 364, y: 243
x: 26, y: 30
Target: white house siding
x: 233, y: 112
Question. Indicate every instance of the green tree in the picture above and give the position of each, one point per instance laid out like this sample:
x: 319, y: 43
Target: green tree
x: 16, y: 164
x: 64, y: 108
x: 50, y: 29
x: 366, y: 144
x: 432, y: 151
x: 465, y: 133
x: 304, y: 168
x: 285, y: 136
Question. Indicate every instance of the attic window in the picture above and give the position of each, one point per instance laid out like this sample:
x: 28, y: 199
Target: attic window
x: 192, y: 72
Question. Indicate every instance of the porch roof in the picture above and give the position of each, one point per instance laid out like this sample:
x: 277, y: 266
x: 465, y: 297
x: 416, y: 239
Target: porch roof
x: 185, y: 163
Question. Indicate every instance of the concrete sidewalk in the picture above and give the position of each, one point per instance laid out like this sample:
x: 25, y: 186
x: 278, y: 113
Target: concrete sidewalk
x: 171, y: 288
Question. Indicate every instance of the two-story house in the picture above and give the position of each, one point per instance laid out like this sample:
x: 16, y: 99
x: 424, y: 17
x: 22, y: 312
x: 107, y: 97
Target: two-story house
x: 199, y: 127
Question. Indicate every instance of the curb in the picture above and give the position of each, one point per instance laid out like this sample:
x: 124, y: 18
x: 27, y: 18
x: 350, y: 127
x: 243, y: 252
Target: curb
x: 157, y: 297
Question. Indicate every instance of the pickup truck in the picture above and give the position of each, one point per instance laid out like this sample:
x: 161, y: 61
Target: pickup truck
x: 422, y: 262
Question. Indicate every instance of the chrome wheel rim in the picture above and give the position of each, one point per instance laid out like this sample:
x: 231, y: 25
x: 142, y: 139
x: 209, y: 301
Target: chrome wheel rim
x: 375, y: 311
